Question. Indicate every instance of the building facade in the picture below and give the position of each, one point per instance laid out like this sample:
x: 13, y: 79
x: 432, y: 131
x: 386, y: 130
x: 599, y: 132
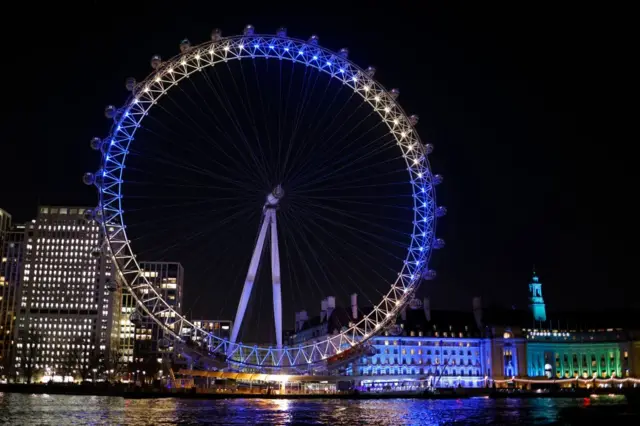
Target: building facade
x: 150, y: 340
x: 440, y: 348
x: 483, y: 347
x: 218, y: 328
x: 574, y: 354
x: 11, y: 261
x: 65, y: 313
x: 5, y: 222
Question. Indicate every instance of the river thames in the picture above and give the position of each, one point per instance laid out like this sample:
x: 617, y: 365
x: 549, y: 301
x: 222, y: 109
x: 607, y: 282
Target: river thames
x: 23, y: 409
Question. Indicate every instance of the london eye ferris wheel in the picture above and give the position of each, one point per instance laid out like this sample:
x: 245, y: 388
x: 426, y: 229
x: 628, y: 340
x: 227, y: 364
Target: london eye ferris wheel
x: 263, y: 158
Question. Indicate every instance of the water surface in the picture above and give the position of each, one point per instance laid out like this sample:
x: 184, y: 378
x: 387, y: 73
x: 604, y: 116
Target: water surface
x: 19, y: 409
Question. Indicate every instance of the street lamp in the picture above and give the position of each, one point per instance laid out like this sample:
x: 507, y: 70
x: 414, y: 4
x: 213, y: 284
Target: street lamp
x: 95, y: 370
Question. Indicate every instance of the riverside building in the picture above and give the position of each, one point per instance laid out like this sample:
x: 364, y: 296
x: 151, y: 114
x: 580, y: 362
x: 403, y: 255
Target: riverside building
x: 65, y: 313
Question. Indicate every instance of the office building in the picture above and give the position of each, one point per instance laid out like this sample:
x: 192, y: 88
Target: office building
x: 65, y: 314
x: 150, y: 340
x: 11, y: 261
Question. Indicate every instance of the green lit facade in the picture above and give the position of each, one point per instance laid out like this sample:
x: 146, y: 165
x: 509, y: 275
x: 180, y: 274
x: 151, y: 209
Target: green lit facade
x: 577, y: 352
x: 565, y: 354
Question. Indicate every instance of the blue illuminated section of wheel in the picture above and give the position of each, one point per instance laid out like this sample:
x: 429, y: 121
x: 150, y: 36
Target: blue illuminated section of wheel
x: 192, y: 59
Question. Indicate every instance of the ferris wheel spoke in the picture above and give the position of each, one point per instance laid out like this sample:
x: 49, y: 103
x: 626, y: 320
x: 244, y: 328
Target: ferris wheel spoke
x: 347, y: 265
x: 377, y: 146
x: 313, y: 129
x: 183, y: 185
x: 233, y: 119
x: 366, y: 236
x: 362, y: 178
x: 281, y: 136
x: 291, y: 270
x: 312, y: 209
x: 180, y: 140
x: 218, y: 124
x: 338, y: 257
x: 324, y: 137
x: 194, y: 169
x: 309, y: 158
x: 343, y: 188
x: 262, y: 108
x: 195, y: 219
x: 313, y: 251
x: 300, y: 119
x: 252, y: 117
x: 305, y: 147
x: 356, y: 251
x: 203, y: 231
x: 348, y: 169
x: 184, y: 143
x: 260, y: 164
x: 375, y: 216
x: 197, y: 130
x: 299, y: 249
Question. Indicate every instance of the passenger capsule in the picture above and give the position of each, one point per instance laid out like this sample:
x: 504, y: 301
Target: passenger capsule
x: 88, y: 178
x: 437, y: 179
x: 395, y: 93
x: 249, y: 30
x: 130, y: 84
x: 110, y: 111
x: 429, y: 274
x: 216, y: 34
x: 281, y: 32
x: 413, y: 119
x: 415, y: 303
x: 313, y: 40
x: 135, y: 318
x: 96, y: 252
x: 156, y: 61
x: 88, y: 215
x: 344, y: 52
x: 164, y: 344
x: 185, y: 45
x: 370, y: 71
x: 438, y: 244
x: 95, y: 144
x: 111, y: 286
x: 441, y: 211
x: 428, y: 148
x: 395, y: 330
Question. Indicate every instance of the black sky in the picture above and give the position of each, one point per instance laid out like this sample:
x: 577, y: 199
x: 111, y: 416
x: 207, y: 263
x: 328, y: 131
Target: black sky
x: 500, y: 92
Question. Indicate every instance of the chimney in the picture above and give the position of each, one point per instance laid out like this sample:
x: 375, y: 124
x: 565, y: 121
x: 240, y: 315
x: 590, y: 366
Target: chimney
x: 477, y: 311
x: 297, y: 326
x: 331, y: 305
x: 403, y: 314
x: 427, y: 308
x: 323, y: 310
x: 354, y: 306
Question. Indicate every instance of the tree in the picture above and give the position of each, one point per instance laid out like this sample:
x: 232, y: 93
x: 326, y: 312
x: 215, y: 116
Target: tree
x: 29, y: 352
x: 110, y: 365
x: 82, y: 360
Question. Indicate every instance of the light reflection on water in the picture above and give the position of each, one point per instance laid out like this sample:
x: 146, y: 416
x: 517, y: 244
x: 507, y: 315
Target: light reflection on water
x: 62, y: 410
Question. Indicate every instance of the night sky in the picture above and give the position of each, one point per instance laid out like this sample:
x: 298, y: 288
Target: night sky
x: 500, y: 93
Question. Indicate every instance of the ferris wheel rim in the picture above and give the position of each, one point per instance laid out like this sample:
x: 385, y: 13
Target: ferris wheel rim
x: 159, y: 82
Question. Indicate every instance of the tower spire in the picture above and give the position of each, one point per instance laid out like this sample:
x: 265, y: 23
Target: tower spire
x: 536, y: 302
